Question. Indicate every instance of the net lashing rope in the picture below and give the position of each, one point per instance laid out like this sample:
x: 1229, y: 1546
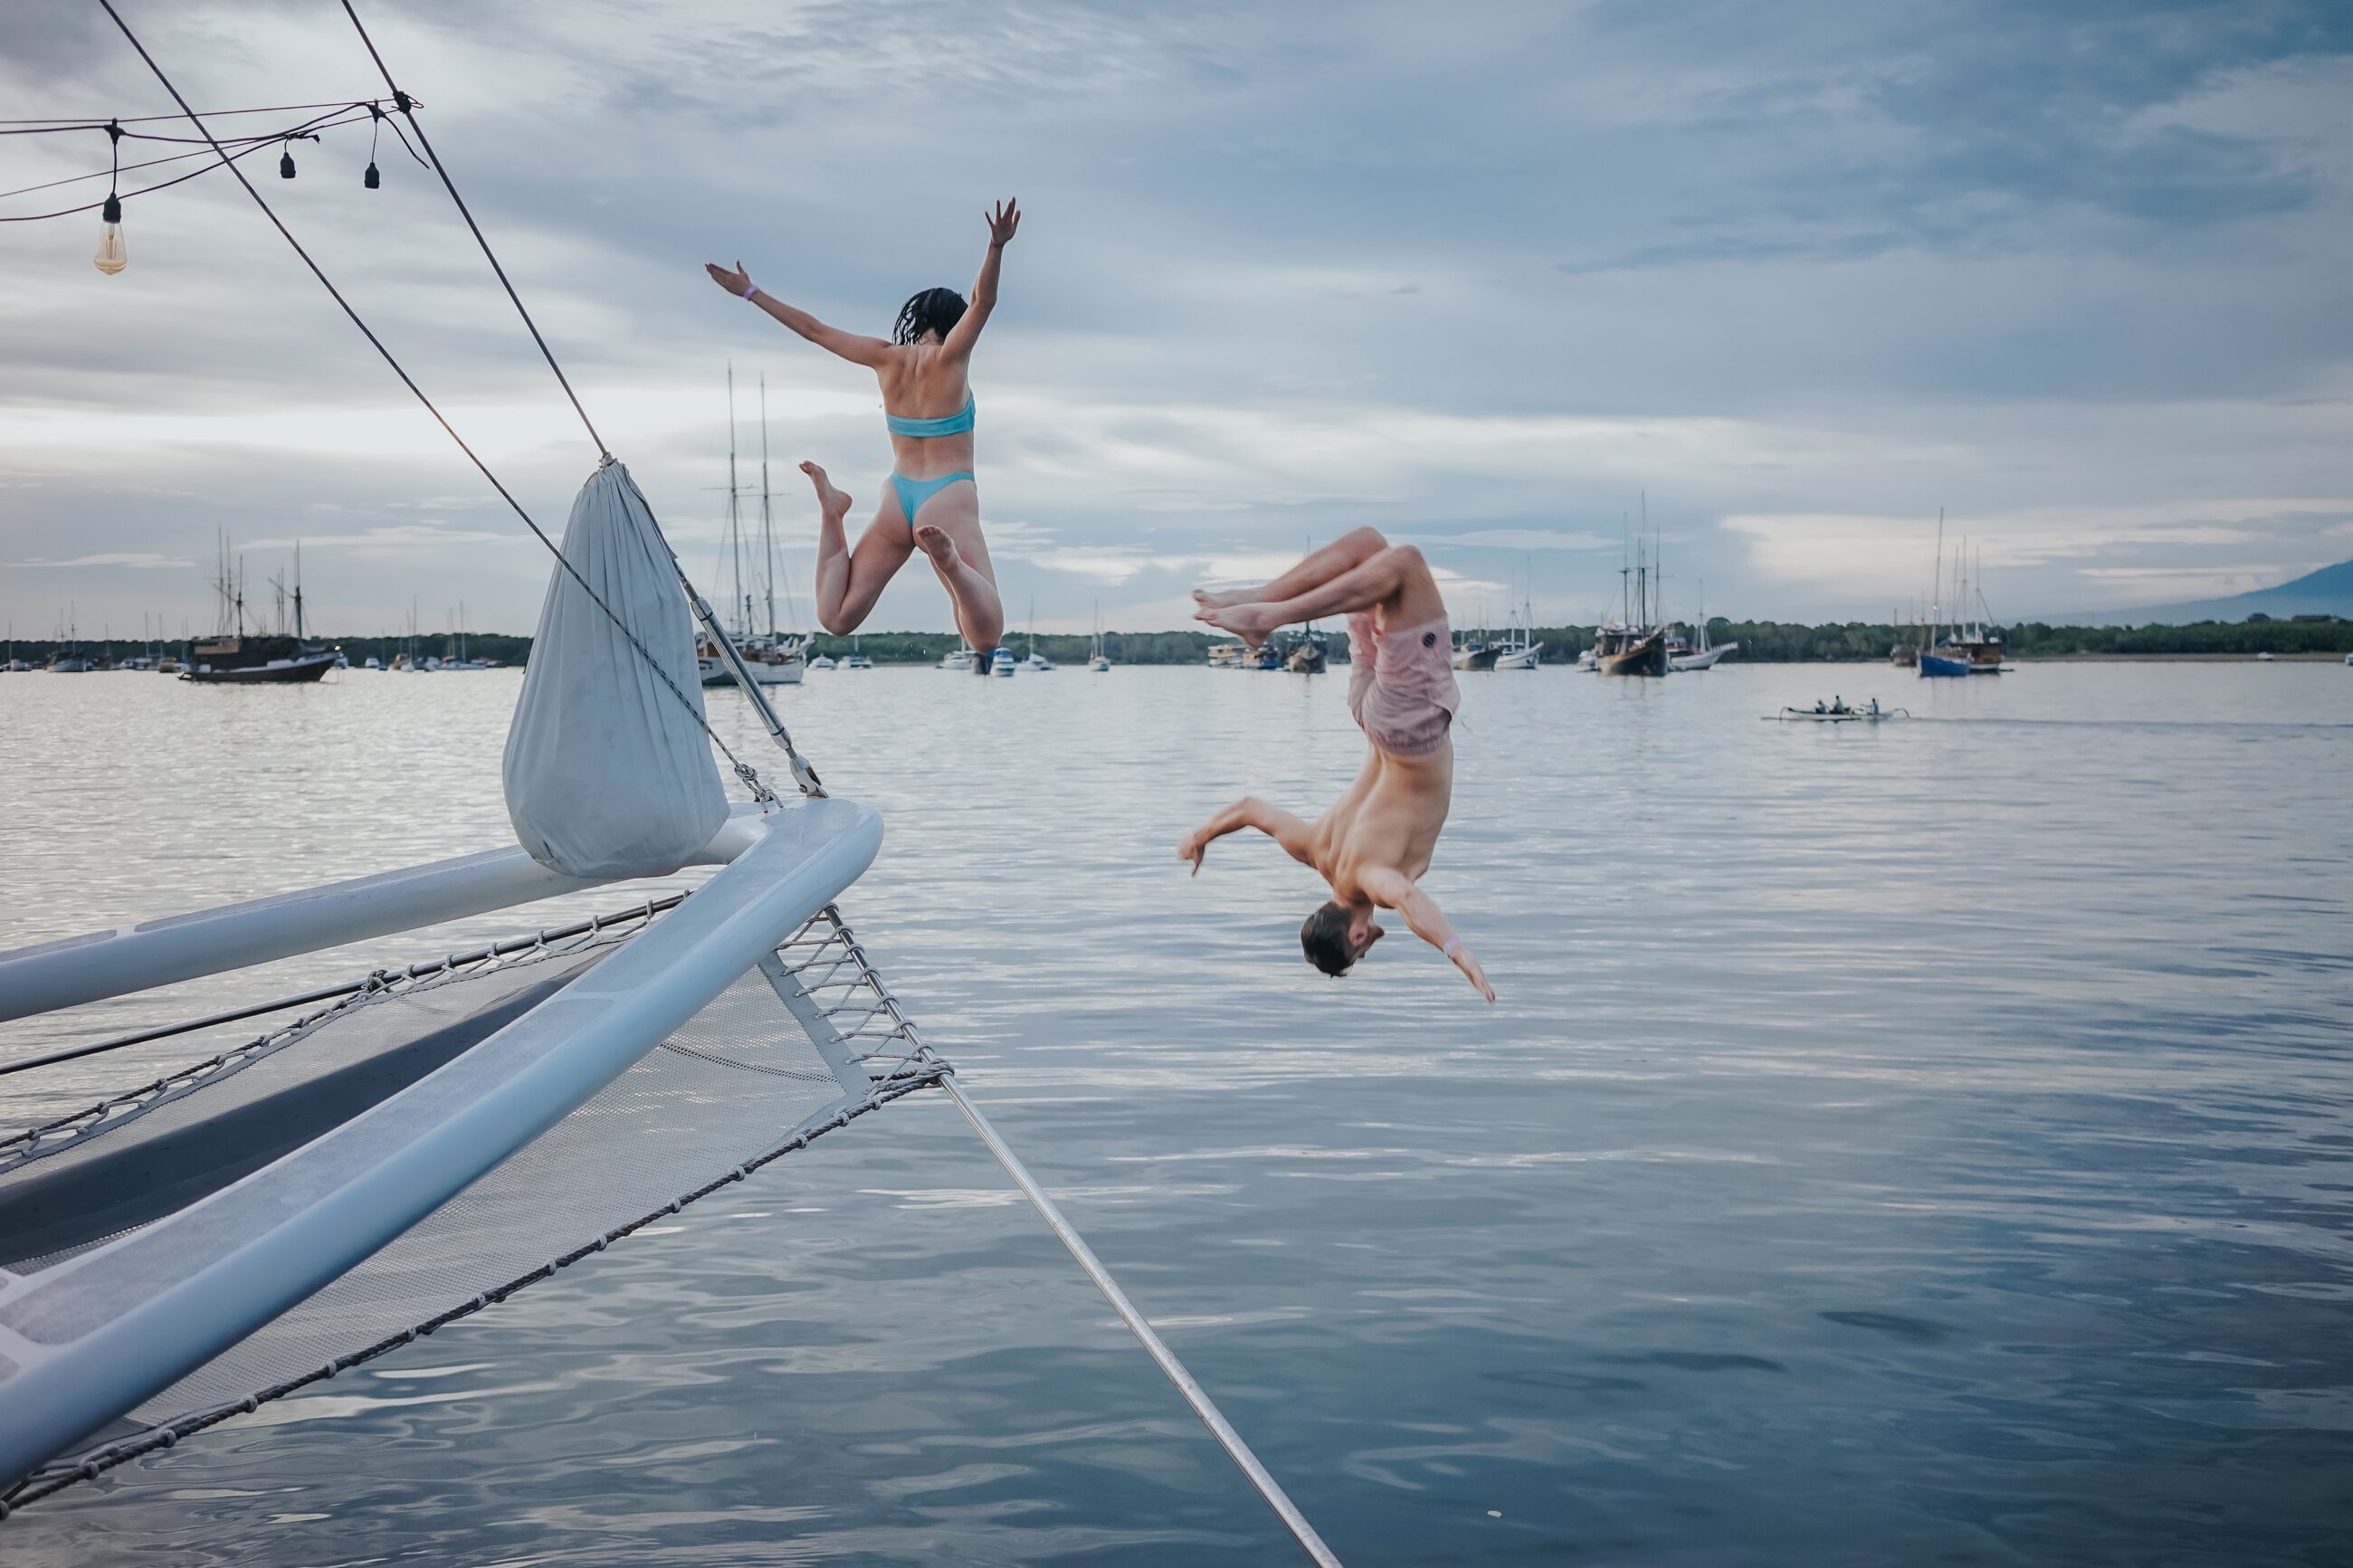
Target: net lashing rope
x: 831, y: 1044
x: 745, y: 772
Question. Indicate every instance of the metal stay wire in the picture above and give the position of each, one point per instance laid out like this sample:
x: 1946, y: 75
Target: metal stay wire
x: 803, y: 773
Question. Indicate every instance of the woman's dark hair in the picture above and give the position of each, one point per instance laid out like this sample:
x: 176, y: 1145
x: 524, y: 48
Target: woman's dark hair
x: 1324, y: 938
x: 933, y: 310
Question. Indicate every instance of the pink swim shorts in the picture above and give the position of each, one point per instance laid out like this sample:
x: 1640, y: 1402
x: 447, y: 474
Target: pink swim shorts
x: 1401, y: 685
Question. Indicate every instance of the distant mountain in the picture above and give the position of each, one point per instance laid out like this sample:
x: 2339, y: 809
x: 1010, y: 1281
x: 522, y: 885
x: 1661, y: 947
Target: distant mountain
x: 2327, y: 592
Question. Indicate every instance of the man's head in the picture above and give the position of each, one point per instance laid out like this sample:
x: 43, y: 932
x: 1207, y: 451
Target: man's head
x: 1338, y: 935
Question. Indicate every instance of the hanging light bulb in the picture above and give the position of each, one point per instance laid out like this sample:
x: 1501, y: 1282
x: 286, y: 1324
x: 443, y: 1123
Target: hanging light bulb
x: 111, y: 258
x: 286, y: 161
x: 371, y: 179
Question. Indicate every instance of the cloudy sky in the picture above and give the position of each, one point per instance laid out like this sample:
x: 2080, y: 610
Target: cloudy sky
x: 1483, y: 276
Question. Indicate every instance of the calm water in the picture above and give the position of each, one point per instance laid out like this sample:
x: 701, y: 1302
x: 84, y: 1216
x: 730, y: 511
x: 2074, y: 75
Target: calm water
x: 1927, y: 1143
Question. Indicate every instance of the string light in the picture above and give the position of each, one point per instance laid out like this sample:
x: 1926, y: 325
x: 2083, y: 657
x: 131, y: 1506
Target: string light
x: 286, y: 161
x: 371, y: 180
x: 111, y: 258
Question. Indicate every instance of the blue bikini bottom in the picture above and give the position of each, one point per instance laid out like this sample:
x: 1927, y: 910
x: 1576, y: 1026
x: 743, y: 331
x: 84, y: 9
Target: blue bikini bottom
x: 913, y: 493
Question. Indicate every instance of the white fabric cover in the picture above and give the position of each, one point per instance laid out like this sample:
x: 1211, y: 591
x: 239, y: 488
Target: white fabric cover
x: 606, y: 775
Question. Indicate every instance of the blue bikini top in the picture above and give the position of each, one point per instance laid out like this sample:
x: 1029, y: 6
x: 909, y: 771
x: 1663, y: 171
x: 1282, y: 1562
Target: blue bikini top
x: 952, y: 425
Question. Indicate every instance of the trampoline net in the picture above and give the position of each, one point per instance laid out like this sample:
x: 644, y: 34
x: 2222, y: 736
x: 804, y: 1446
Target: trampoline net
x: 798, y: 1046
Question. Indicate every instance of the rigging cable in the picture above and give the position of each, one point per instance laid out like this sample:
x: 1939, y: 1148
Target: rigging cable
x: 744, y: 769
x: 803, y: 773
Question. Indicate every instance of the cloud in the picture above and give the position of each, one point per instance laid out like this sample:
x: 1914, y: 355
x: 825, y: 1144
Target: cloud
x: 2073, y: 273
x: 140, y: 559
x: 1513, y: 539
x: 407, y: 539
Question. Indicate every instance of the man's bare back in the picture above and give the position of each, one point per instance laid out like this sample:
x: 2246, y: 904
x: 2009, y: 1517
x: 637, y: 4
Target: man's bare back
x: 1375, y: 841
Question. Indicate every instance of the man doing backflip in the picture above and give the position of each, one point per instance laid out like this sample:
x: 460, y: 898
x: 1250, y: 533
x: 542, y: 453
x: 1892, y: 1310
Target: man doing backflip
x: 1377, y: 838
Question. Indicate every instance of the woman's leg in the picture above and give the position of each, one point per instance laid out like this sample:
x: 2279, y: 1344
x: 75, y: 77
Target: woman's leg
x: 1350, y: 550
x: 849, y: 582
x: 947, y: 529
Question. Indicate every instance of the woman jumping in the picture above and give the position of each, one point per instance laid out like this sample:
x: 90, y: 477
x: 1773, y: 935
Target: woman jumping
x: 931, y: 503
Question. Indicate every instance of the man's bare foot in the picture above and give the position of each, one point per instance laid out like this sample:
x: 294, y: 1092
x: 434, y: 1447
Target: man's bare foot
x: 833, y: 503
x: 1218, y: 599
x: 1248, y: 622
x: 934, y: 541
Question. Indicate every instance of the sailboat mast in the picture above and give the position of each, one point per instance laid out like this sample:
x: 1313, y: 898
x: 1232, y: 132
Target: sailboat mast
x: 1937, y: 588
x: 768, y: 522
x: 735, y: 515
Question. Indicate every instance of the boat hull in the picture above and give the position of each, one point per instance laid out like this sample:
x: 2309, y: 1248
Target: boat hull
x: 1520, y: 658
x: 1646, y: 656
x: 278, y: 672
x: 1701, y: 660
x: 786, y: 673
x: 1936, y: 665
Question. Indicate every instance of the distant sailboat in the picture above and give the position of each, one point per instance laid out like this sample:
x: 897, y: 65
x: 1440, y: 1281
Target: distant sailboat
x: 1686, y: 655
x: 1306, y: 653
x: 1036, y: 660
x: 1096, y: 660
x: 1519, y: 648
x: 1630, y: 643
x: 775, y: 657
x: 233, y: 658
x: 1940, y: 659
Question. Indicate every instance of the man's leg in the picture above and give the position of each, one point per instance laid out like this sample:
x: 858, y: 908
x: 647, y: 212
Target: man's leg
x: 1351, y: 550
x: 1395, y: 583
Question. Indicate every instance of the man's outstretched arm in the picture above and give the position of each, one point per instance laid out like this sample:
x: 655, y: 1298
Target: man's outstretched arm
x: 1395, y: 890
x: 1250, y: 811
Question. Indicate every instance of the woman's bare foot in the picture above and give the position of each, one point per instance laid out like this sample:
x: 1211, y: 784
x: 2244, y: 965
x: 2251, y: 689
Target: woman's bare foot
x: 934, y: 541
x: 1248, y: 622
x: 980, y: 615
x: 1218, y: 599
x: 833, y: 503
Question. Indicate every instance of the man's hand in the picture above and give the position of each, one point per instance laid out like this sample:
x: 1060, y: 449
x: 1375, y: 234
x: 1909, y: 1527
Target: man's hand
x: 735, y: 282
x: 1392, y: 889
x: 1471, y: 971
x: 1195, y: 848
x: 1003, y: 220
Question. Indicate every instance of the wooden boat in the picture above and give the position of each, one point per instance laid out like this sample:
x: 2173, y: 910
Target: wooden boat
x: 1631, y: 650
x: 1839, y: 714
x: 1633, y: 642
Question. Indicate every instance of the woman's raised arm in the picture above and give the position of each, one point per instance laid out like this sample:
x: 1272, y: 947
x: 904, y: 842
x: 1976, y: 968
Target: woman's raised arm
x: 1003, y: 220
x: 852, y: 346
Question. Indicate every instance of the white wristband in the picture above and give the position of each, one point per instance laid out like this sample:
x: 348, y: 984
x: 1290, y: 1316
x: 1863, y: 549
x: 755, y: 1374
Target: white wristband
x: 1452, y: 943
x: 750, y: 288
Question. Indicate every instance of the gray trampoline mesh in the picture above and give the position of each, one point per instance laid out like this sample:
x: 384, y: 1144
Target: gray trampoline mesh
x: 797, y: 1046
x: 266, y: 1096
